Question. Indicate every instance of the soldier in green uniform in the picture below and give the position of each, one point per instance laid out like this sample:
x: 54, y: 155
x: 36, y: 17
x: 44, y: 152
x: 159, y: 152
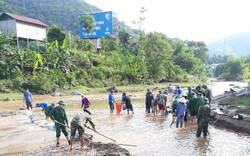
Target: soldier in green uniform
x: 78, y: 123
x: 58, y: 115
x: 199, y: 101
x: 203, y: 118
x: 189, y: 92
x: 198, y: 89
x: 192, y: 106
x: 48, y: 110
x: 208, y: 93
x: 174, y: 106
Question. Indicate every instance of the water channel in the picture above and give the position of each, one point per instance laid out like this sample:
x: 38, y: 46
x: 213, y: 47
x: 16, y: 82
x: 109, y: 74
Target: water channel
x: 153, y: 135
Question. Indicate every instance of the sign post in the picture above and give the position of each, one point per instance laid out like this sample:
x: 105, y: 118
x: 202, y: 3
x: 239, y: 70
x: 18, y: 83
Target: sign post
x: 103, y: 26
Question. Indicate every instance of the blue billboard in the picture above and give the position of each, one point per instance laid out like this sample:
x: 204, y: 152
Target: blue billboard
x: 103, y: 26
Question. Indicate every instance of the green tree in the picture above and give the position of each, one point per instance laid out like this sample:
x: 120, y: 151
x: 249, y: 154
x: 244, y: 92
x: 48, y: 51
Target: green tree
x: 235, y: 69
x: 220, y: 69
x: 187, y: 62
x: 124, y: 38
x: 200, y: 49
x: 158, y: 53
x: 7, y: 56
x: 56, y: 34
x: 88, y: 23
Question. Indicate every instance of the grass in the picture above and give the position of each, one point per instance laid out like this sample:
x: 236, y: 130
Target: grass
x: 13, y: 96
x: 87, y: 90
x: 130, y: 88
x: 235, y: 102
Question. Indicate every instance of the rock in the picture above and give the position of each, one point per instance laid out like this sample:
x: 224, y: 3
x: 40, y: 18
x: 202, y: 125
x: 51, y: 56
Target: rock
x: 215, y: 111
x: 239, y: 117
x: 56, y: 94
x: 22, y: 107
x: 8, y: 99
x: 76, y: 93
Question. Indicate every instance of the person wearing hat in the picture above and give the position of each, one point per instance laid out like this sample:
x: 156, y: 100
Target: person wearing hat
x: 58, y: 115
x: 208, y: 93
x: 198, y: 89
x: 85, y: 102
x: 192, y: 106
x: 111, y: 101
x: 203, y: 118
x: 189, y: 92
x: 78, y: 123
x: 180, y: 112
x: 199, y: 101
x: 127, y: 101
x: 48, y: 110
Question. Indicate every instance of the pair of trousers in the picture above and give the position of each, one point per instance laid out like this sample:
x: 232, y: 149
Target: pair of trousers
x: 180, y: 118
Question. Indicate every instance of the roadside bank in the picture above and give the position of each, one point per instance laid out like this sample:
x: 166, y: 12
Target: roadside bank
x: 229, y: 118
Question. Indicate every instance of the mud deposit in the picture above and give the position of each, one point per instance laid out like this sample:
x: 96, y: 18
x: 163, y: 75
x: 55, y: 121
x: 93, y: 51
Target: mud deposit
x: 98, y: 149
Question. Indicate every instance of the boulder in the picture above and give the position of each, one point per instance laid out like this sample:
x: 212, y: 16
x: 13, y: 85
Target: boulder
x: 56, y: 94
x: 8, y: 99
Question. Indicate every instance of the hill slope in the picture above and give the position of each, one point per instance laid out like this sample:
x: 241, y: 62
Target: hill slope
x: 63, y: 13
x: 236, y: 45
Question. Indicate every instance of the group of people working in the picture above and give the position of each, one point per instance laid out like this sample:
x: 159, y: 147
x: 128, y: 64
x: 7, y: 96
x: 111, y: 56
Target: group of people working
x: 58, y: 115
x: 126, y: 101
x: 194, y: 104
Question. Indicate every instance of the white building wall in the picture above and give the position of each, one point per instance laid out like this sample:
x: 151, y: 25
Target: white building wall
x: 8, y: 26
x: 30, y: 31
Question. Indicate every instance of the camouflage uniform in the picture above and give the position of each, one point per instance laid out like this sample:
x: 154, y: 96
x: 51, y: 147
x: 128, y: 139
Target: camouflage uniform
x: 198, y: 89
x: 59, y: 114
x: 78, y: 123
x: 203, y: 119
x: 174, y: 105
x: 192, y: 106
x: 208, y: 92
x: 209, y: 95
x: 199, y: 102
x: 189, y: 92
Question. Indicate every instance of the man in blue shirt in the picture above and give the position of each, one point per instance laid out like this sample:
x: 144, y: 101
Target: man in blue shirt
x: 27, y: 97
x: 44, y: 106
x: 178, y: 91
x: 111, y: 101
x: 180, y: 112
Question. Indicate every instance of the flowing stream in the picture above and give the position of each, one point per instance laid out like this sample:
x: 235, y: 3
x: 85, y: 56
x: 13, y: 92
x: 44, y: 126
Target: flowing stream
x: 153, y: 135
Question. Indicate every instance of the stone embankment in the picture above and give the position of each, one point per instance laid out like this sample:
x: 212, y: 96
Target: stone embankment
x: 227, y: 120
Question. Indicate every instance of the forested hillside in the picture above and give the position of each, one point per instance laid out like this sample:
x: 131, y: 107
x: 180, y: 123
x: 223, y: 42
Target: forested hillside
x: 236, y: 45
x: 63, y: 13
x: 67, y: 61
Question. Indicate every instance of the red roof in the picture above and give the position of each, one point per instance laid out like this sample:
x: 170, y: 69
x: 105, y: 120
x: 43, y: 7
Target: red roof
x: 25, y: 19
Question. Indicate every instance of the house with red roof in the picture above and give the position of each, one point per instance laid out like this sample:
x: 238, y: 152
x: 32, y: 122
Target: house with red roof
x: 23, y: 28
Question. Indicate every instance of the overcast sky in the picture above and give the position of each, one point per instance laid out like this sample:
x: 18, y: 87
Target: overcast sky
x: 199, y: 20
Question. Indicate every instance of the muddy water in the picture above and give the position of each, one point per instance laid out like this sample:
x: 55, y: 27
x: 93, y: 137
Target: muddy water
x: 154, y: 136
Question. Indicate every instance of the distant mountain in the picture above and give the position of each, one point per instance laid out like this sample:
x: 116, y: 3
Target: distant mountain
x: 237, y: 45
x: 63, y: 13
